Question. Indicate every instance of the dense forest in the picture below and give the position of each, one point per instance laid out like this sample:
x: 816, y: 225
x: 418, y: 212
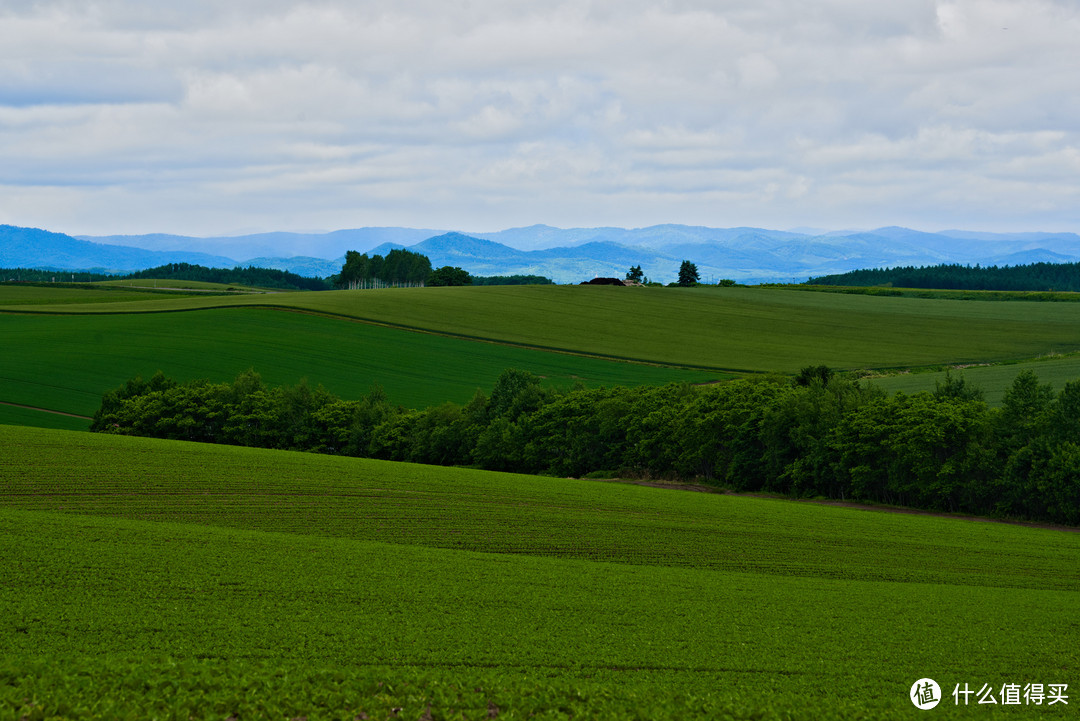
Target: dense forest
x: 388, y: 271
x: 816, y: 435
x: 1037, y: 277
x: 250, y: 276
x: 511, y: 280
x: 36, y: 275
x: 399, y: 269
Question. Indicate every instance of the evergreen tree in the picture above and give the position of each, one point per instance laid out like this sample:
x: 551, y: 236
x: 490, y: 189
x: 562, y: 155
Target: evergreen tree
x: 688, y: 274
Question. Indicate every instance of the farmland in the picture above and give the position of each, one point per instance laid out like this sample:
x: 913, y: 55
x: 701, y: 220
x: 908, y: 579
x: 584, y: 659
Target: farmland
x: 65, y: 346
x: 66, y: 363
x: 735, y: 329
x: 992, y: 379
x: 43, y: 295
x: 178, y: 579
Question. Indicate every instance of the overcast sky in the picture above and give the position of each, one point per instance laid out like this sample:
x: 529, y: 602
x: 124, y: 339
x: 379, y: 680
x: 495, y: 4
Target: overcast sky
x: 208, y: 117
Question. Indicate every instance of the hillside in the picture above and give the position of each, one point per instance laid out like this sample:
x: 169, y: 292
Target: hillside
x: 66, y: 362
x: 732, y: 329
x: 261, y: 583
x: 34, y: 248
x: 66, y: 346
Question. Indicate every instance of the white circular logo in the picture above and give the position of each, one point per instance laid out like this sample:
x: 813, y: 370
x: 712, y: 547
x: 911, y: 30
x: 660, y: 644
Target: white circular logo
x: 925, y: 693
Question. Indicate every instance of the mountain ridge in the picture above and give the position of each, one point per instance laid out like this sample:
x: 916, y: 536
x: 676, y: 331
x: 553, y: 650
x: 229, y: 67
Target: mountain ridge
x: 745, y: 254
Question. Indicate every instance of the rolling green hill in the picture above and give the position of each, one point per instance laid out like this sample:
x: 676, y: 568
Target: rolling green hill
x: 753, y: 329
x: 147, y: 577
x: 742, y: 329
x: 993, y: 380
x: 66, y: 362
x: 68, y: 345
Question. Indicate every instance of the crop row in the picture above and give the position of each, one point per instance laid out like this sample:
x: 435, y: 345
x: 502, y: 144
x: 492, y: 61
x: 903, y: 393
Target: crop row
x: 67, y: 363
x: 474, y: 510
x: 751, y: 329
x: 84, y: 594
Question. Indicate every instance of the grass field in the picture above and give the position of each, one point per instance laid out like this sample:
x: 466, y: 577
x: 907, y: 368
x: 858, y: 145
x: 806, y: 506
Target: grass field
x: 17, y: 416
x: 199, y: 285
x: 66, y: 363
x: 176, y: 580
x: 741, y: 329
x: 69, y: 345
x: 1035, y: 296
x: 992, y: 379
x: 41, y: 295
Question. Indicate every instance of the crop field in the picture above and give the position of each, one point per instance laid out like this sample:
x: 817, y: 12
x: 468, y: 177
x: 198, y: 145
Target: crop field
x: 43, y: 295
x: 199, y: 285
x: 994, y: 380
x: 175, y: 580
x: 66, y: 363
x: 738, y: 329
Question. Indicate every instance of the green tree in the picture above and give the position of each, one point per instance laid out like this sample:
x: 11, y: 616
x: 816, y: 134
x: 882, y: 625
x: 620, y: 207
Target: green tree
x: 957, y: 387
x: 814, y: 375
x: 398, y: 268
x: 635, y: 273
x: 688, y: 274
x: 1022, y: 406
x: 447, y: 275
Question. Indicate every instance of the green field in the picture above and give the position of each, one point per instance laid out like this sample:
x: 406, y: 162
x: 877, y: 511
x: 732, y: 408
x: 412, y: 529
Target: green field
x: 66, y: 363
x: 157, y: 579
x: 154, y: 578
x: 172, y: 284
x: 41, y: 295
x: 64, y: 347
x: 13, y: 415
x: 739, y: 329
x: 992, y: 379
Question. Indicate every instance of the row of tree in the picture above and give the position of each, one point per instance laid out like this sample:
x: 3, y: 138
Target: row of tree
x: 37, y: 275
x: 818, y: 435
x: 404, y: 268
x: 1034, y: 277
x: 688, y: 276
x: 250, y: 276
x: 400, y: 268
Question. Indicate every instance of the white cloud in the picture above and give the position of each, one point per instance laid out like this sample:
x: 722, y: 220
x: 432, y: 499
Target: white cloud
x: 135, y: 116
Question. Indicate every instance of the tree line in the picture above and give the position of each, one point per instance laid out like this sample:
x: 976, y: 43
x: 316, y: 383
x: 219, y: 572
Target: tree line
x: 510, y: 280
x: 406, y: 269
x: 37, y: 275
x: 1034, y: 277
x: 398, y: 269
x: 250, y: 276
x: 816, y: 435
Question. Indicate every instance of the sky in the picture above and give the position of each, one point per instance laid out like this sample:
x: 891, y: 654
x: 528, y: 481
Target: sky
x: 222, y: 118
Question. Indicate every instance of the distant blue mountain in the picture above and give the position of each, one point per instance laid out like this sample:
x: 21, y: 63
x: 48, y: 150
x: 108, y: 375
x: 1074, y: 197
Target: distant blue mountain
x: 465, y: 248
x: 274, y: 245
x: 1028, y: 257
x: 301, y: 265
x: 35, y: 248
x: 566, y: 255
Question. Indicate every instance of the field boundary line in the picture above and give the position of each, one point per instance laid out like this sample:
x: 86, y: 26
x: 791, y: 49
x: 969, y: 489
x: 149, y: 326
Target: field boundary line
x: 46, y: 410
x: 398, y: 326
x: 696, y: 487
